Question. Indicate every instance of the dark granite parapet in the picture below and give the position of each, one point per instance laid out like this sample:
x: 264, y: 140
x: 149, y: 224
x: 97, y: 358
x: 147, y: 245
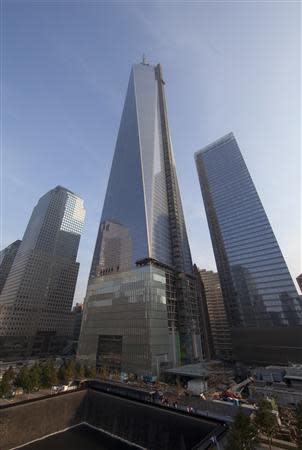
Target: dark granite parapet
x: 23, y: 423
x: 150, y: 426
x: 146, y: 425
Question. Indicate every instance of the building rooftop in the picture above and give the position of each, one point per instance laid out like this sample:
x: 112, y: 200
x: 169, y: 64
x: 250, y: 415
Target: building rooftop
x: 228, y: 137
x: 198, y: 370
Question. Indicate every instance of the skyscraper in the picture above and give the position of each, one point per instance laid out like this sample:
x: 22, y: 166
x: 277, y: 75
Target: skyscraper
x: 37, y: 296
x: 218, y: 321
x: 141, y: 310
x: 299, y: 281
x: 7, y: 256
x: 206, y: 334
x: 262, y: 304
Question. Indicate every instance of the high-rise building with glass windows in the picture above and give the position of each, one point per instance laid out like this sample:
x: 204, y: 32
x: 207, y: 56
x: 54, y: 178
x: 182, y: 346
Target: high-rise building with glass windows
x: 141, y: 309
x: 299, y: 281
x: 37, y: 296
x: 7, y: 256
x: 262, y: 303
x: 218, y: 321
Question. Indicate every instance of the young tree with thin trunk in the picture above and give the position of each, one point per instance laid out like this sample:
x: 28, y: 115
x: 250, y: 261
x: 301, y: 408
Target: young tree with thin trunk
x: 243, y: 433
x: 298, y: 425
x: 266, y: 420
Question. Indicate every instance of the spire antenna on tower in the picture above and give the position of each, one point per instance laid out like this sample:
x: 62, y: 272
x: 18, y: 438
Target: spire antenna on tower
x: 144, y: 60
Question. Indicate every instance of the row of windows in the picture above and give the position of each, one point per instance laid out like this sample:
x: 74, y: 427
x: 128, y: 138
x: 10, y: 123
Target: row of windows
x: 257, y: 259
x: 251, y: 238
x: 224, y: 206
x: 271, y: 279
x: 226, y: 186
x: 249, y: 230
x: 237, y: 198
x: 240, y: 225
x: 241, y: 217
x: 250, y: 249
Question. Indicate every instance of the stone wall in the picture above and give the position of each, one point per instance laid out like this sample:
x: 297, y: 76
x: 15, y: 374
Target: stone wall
x: 147, y: 425
x: 23, y: 423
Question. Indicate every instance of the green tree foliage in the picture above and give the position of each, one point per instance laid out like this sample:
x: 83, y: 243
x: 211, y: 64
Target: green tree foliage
x: 49, y: 375
x: 90, y: 371
x: 10, y: 373
x: 35, y: 376
x: 6, y: 383
x: 70, y: 370
x: 4, y: 388
x: 243, y: 433
x: 61, y: 374
x: 24, y: 380
x: 79, y: 371
x: 67, y: 371
x: 266, y: 420
x: 298, y: 425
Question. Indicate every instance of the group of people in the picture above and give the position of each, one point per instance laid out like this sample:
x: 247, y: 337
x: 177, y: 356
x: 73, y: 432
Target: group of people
x: 190, y: 409
x: 165, y: 401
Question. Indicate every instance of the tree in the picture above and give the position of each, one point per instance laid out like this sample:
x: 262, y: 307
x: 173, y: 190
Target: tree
x: 266, y: 420
x: 70, y: 370
x: 243, y: 433
x: 5, y: 385
x: 298, y: 425
x: 67, y: 371
x: 90, y: 372
x: 49, y: 375
x: 24, y: 380
x: 61, y: 373
x: 10, y: 373
x: 104, y: 373
x: 35, y: 376
x: 79, y: 371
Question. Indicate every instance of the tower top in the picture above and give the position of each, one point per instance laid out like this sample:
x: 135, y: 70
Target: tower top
x: 144, y: 60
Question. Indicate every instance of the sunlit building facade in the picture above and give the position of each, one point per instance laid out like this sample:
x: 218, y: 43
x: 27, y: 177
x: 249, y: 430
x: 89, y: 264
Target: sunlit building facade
x: 299, y: 281
x: 141, y: 310
x: 36, y: 299
x: 220, y: 329
x: 261, y: 301
x: 7, y: 256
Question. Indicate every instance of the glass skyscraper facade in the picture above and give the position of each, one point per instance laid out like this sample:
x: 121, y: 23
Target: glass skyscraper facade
x: 142, y: 249
x: 262, y: 304
x: 136, y: 208
x: 36, y: 299
x: 218, y: 321
x: 7, y: 256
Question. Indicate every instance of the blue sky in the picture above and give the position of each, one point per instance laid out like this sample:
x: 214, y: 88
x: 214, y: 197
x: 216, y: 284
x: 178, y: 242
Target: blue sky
x: 228, y: 66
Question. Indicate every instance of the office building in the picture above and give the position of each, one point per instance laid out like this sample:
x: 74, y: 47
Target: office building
x: 76, y: 323
x: 141, y: 308
x: 261, y: 301
x: 207, y: 343
x: 218, y: 321
x: 7, y: 256
x: 299, y: 281
x: 35, y: 304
